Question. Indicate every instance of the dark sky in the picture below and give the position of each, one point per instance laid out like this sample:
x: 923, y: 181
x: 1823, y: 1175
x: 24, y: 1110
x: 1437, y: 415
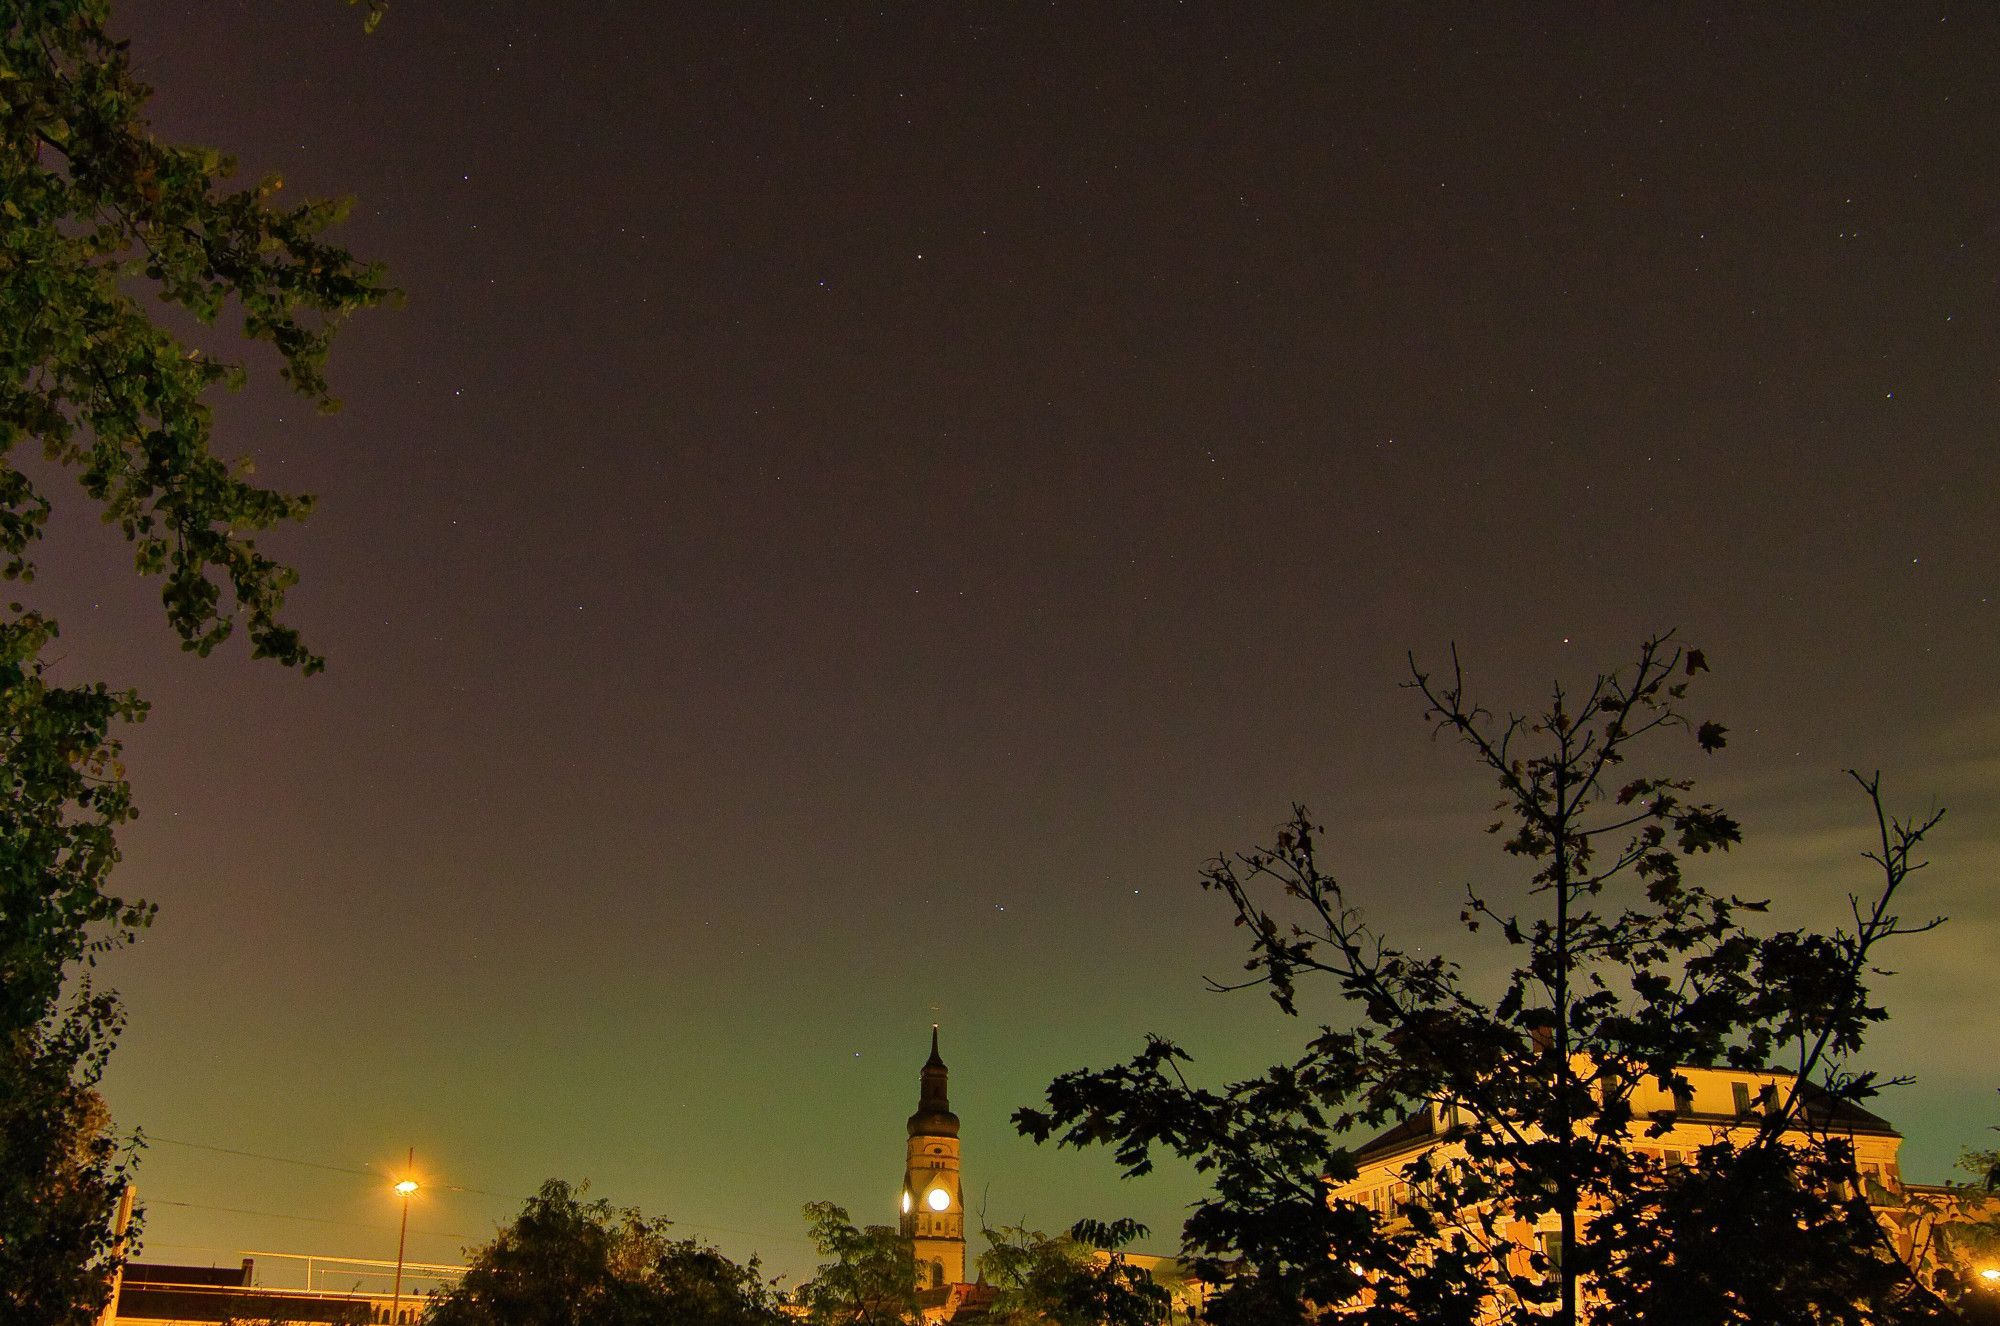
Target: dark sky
x: 861, y: 502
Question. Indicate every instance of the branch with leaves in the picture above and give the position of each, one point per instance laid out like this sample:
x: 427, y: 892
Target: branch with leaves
x: 100, y: 223
x: 97, y: 212
x: 1627, y: 973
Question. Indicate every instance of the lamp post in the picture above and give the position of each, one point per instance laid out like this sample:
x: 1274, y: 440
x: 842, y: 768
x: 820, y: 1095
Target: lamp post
x: 404, y: 1189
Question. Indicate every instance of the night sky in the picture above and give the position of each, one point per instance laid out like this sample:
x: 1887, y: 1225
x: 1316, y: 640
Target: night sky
x: 861, y: 502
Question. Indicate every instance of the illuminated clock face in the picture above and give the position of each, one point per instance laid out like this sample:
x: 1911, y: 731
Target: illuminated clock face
x: 937, y: 1199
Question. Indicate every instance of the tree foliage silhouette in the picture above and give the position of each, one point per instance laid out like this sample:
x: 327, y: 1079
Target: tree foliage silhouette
x: 870, y: 1277
x: 96, y: 214
x: 567, y: 1261
x: 1080, y: 1278
x: 1625, y: 972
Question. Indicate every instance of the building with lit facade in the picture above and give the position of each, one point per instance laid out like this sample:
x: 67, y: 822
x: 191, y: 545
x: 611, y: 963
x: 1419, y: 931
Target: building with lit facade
x: 1716, y: 1105
x: 157, y: 1294
x: 1719, y: 1103
x: 933, y: 1201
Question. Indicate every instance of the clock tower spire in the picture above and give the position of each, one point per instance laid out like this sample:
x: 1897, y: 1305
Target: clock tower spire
x: 933, y: 1203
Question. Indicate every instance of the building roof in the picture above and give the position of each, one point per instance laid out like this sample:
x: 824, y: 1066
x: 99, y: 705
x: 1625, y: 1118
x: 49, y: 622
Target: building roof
x: 934, y: 1117
x: 1418, y: 1130
x: 164, y: 1273
x: 1413, y: 1132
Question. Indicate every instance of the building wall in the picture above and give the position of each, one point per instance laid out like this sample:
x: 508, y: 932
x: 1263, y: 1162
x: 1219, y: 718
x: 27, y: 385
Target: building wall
x: 167, y: 1305
x: 938, y: 1237
x: 1722, y: 1103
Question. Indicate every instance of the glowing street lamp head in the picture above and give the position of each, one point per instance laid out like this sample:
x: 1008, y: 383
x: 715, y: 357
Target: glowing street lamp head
x: 1990, y: 1275
x: 406, y: 1187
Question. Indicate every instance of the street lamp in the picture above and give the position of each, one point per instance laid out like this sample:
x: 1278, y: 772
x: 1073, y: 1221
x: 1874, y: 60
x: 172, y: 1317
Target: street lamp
x: 404, y: 1189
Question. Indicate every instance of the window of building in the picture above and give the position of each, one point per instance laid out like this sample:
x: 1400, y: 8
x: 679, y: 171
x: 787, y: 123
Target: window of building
x: 1552, y: 1249
x: 1741, y: 1090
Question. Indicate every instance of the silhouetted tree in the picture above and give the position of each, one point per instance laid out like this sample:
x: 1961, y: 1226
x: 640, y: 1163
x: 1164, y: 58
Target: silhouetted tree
x: 1626, y: 972
x: 1959, y: 1228
x: 99, y: 214
x: 1080, y: 1278
x: 570, y: 1262
x: 1983, y: 1167
x: 871, y: 1279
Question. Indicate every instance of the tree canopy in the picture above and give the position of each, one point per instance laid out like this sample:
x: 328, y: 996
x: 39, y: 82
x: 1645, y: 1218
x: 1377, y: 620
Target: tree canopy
x: 62, y: 798
x: 870, y: 1278
x: 565, y: 1261
x: 98, y: 214
x: 98, y: 217
x: 1626, y: 972
x: 1079, y: 1278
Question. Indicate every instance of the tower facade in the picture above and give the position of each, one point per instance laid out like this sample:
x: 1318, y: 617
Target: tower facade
x: 933, y: 1201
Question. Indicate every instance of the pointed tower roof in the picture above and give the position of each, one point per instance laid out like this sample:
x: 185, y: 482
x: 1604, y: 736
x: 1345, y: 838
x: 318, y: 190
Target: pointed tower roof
x: 934, y: 1117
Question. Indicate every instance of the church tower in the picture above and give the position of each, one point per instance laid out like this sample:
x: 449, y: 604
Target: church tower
x: 933, y: 1204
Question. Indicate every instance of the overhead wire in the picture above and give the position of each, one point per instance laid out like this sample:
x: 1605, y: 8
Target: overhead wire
x: 311, y: 1164
x: 310, y: 1220
x: 379, y: 1174
x: 258, y: 1155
